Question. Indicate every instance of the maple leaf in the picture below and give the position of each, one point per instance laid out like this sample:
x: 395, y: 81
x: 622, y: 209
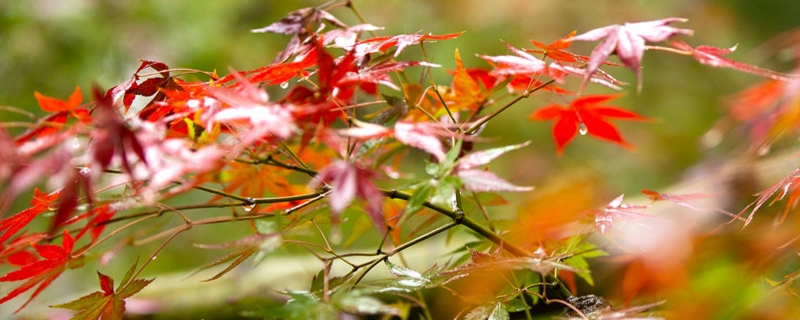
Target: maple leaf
x: 107, y: 303
x: 97, y: 217
x: 254, y: 181
x: 112, y: 136
x: 349, y: 181
x: 127, y: 91
x: 62, y: 110
x: 400, y: 41
x: 713, y: 56
x: 784, y: 186
x: 466, y: 93
x: 684, y: 200
x: 277, y: 73
x: 524, y: 64
x: 555, y: 50
x: 39, y: 204
x: 301, y: 24
x: 251, y: 105
x: 43, y: 272
x: 603, y: 219
x: 423, y: 135
x: 586, y: 115
x: 260, y: 244
x: 628, y: 42
x: 56, y: 105
x: 481, y: 181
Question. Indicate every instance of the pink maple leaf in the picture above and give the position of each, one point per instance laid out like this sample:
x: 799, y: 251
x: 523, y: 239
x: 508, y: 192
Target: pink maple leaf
x: 603, y: 219
x: 628, y: 42
x: 713, y: 56
x: 423, y: 135
x: 349, y: 181
x: 478, y: 180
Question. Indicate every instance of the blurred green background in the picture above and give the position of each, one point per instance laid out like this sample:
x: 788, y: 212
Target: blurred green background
x: 53, y: 46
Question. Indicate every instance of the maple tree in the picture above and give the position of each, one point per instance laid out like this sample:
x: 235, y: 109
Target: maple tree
x: 331, y: 151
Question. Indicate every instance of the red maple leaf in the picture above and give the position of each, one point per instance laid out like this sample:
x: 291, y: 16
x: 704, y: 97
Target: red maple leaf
x: 586, y: 115
x: 11, y: 225
x: 57, y: 105
x: 55, y: 259
x: 62, y: 110
x: 97, y: 218
x: 628, y: 42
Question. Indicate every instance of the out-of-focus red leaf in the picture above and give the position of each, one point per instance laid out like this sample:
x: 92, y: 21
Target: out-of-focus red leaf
x: 69, y: 197
x: 48, y: 126
x: 112, y: 136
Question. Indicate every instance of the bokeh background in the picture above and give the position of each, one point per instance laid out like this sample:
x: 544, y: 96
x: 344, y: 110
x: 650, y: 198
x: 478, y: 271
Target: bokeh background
x: 53, y: 46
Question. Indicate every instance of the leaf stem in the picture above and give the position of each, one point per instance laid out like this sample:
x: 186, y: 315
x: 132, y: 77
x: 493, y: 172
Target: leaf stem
x: 524, y: 95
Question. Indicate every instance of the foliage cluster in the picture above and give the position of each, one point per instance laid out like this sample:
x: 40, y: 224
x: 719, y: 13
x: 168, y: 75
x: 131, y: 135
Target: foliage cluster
x: 345, y: 150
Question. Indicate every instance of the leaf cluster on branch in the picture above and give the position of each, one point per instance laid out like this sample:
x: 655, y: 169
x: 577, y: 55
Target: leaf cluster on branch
x: 327, y: 132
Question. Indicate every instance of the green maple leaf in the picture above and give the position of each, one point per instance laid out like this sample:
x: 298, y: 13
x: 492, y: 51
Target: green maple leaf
x: 107, y: 303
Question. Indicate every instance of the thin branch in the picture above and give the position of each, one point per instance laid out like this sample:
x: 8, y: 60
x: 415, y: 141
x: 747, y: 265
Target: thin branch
x: 466, y: 221
x: 524, y: 95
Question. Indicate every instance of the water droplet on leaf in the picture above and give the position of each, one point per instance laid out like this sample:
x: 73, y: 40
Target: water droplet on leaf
x: 582, y: 129
x: 284, y: 84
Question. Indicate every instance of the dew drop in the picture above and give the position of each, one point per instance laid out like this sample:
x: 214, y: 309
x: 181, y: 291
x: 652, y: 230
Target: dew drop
x: 582, y: 129
x: 284, y: 84
x: 603, y: 222
x: 85, y: 171
x: 764, y: 150
x: 249, y: 205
